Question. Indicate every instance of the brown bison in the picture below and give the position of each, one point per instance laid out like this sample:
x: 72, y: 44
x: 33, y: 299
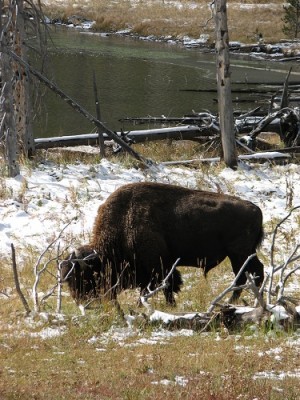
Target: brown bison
x: 142, y: 228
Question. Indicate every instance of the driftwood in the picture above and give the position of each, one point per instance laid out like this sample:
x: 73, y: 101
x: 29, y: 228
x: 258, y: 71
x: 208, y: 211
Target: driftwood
x: 257, y: 157
x: 187, y: 119
x: 207, y: 130
x: 176, y: 133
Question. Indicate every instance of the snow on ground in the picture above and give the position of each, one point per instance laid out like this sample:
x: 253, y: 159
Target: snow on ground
x: 41, y: 201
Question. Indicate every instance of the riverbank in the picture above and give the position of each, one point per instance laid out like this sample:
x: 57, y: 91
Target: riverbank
x: 174, y: 20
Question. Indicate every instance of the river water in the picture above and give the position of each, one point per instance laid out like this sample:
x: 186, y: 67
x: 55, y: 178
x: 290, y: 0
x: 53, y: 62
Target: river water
x: 135, y: 78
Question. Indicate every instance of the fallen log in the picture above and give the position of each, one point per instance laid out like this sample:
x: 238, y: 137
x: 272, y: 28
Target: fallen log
x: 272, y: 155
x: 247, y: 91
x: 138, y: 136
x: 208, y: 123
x: 161, y: 120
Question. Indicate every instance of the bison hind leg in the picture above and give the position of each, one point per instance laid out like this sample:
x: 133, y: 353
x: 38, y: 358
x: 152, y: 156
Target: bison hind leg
x: 235, y: 296
x: 253, y: 266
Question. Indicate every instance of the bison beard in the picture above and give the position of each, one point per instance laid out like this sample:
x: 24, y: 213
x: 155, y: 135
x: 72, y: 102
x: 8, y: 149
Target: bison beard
x: 142, y: 228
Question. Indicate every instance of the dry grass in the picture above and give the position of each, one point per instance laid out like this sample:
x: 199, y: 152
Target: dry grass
x: 163, y: 18
x: 71, y: 366
x: 127, y: 374
x: 213, y: 366
x: 245, y: 25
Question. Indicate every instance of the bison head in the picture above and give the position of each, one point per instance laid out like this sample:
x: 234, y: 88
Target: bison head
x: 81, y: 271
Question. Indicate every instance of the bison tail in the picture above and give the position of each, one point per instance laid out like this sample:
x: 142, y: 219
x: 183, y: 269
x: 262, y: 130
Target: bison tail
x: 260, y: 237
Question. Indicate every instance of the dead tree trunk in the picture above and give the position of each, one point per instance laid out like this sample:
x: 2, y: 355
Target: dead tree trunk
x: 21, y: 92
x: 98, y: 115
x: 8, y: 124
x: 224, y: 87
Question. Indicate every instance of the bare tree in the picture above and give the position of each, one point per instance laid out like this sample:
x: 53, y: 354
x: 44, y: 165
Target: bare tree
x: 21, y: 89
x: 224, y: 86
x: 16, y: 135
x: 8, y: 123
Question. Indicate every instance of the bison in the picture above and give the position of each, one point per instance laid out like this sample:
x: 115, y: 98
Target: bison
x: 142, y: 228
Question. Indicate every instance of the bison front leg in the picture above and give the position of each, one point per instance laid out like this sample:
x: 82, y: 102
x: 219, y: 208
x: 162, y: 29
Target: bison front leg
x: 167, y: 281
x: 174, y: 284
x: 169, y: 296
x: 150, y: 290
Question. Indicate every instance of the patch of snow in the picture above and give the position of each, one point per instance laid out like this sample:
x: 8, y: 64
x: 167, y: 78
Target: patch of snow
x: 48, y: 333
x: 179, y: 380
x: 277, y: 375
x: 127, y: 337
x: 35, y: 215
x: 278, y: 312
x: 242, y: 310
x: 166, y: 318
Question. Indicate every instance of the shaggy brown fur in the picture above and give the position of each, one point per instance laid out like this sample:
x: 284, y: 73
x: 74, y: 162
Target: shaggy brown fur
x: 142, y: 228
x: 83, y: 276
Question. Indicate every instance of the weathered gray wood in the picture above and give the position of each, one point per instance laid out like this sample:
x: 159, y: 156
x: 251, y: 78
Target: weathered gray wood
x: 263, y: 156
x: 8, y: 116
x: 284, y: 99
x: 138, y: 136
x: 187, y: 119
x: 21, y: 90
x: 98, y: 115
x: 223, y: 84
x: 16, y: 279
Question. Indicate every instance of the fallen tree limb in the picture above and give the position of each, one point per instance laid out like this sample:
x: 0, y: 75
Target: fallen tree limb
x: 272, y: 155
x: 232, y: 286
x: 144, y: 298
x: 137, y: 136
x: 255, y: 291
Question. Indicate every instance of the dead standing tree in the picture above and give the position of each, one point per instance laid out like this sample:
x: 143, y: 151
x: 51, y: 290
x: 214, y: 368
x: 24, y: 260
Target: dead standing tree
x: 8, y: 123
x: 16, y: 135
x: 223, y: 83
x: 21, y: 92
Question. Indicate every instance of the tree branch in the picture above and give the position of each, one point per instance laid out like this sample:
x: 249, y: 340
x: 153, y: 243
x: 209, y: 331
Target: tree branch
x: 37, y: 272
x: 232, y: 286
x: 16, y: 279
x: 162, y: 286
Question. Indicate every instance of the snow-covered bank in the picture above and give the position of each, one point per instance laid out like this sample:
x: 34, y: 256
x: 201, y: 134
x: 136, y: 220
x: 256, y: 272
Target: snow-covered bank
x: 40, y: 202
